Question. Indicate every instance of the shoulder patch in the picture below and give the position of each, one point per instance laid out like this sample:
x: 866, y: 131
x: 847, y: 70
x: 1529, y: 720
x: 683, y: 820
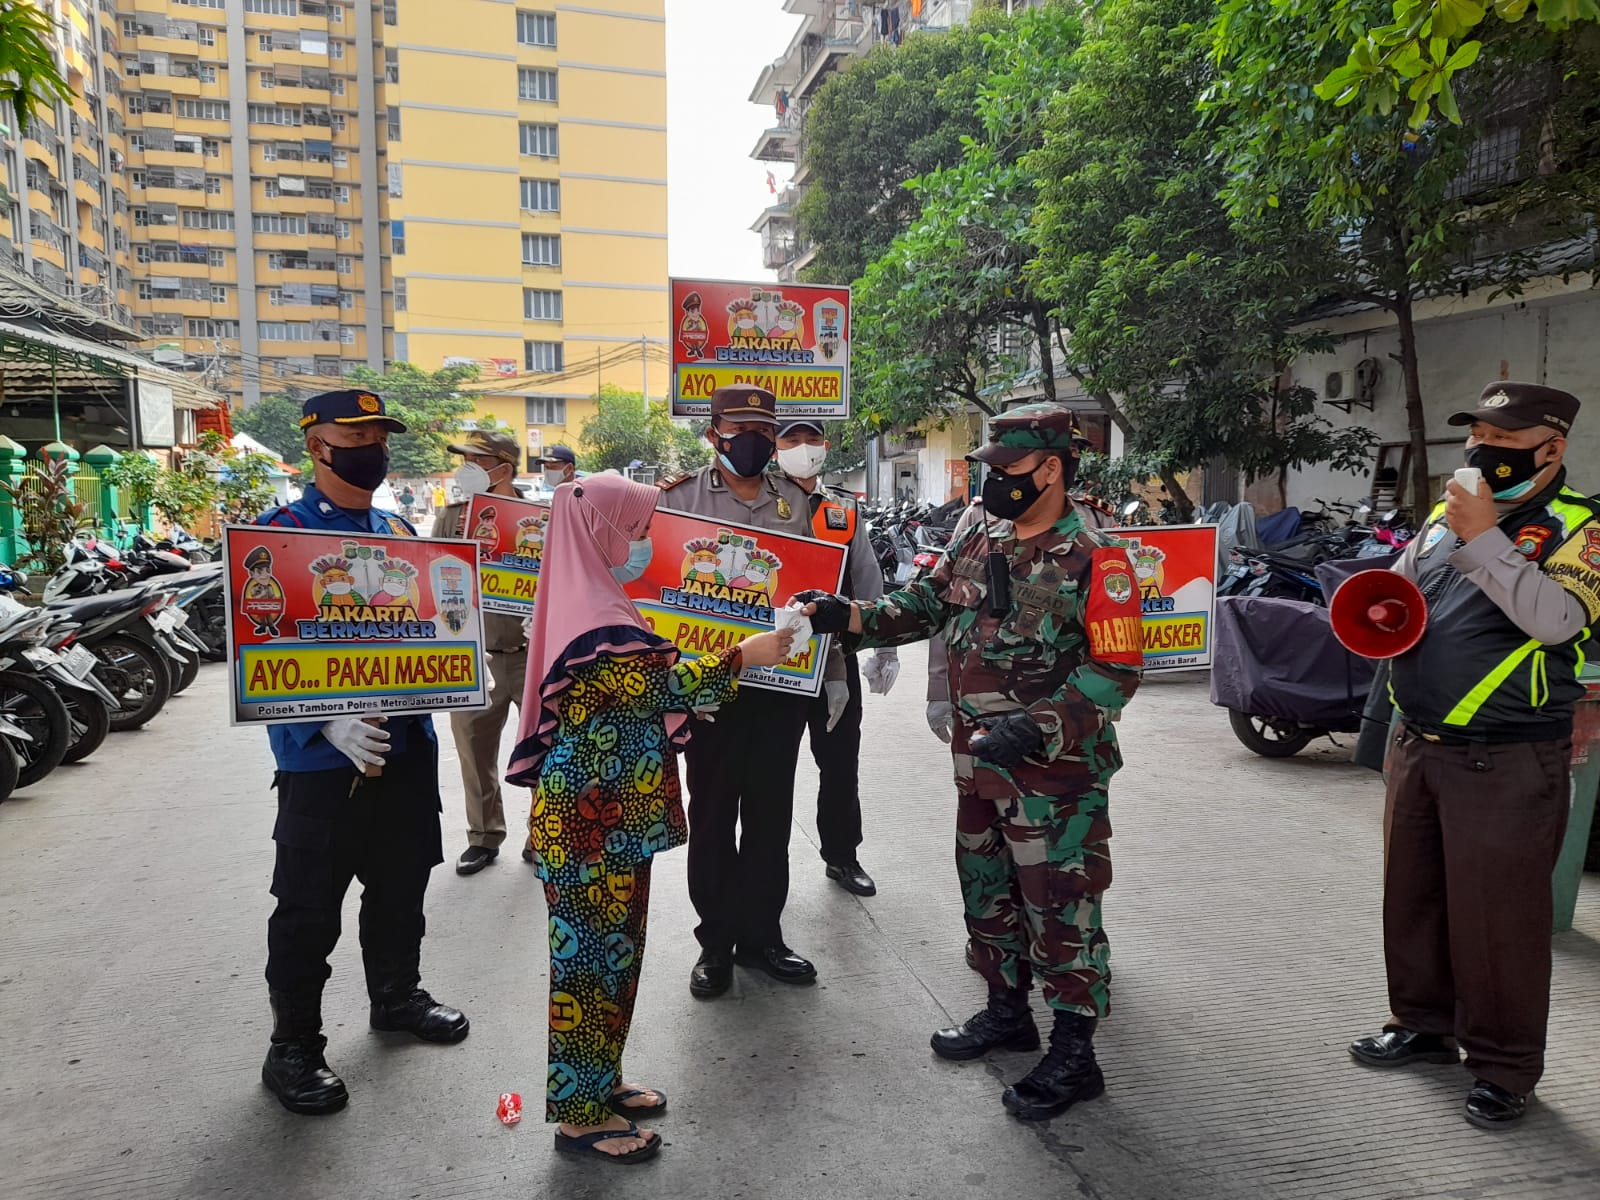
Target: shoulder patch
x: 1530, y: 539
x: 667, y: 482
x: 837, y: 517
x: 1576, y: 566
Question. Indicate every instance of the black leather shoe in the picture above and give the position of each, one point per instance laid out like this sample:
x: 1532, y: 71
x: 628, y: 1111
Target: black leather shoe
x: 712, y: 975
x: 1067, y: 1074
x: 1006, y: 1023
x: 780, y: 962
x: 295, y: 1070
x: 1490, y: 1106
x: 852, y: 878
x: 1401, y: 1047
x: 420, y: 1014
x: 475, y: 859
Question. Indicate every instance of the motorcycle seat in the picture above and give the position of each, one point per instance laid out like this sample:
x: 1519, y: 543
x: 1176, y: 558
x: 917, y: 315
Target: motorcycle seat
x: 93, y: 606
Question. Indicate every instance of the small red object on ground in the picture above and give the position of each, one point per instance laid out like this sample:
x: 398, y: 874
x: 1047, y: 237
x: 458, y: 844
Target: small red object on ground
x: 509, y: 1109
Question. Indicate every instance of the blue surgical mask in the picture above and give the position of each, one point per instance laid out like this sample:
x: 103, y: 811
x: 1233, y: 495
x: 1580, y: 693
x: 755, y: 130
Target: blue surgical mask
x: 638, y: 559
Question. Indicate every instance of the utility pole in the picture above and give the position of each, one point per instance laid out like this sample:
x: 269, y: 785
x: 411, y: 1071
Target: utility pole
x: 599, y: 381
x: 644, y: 364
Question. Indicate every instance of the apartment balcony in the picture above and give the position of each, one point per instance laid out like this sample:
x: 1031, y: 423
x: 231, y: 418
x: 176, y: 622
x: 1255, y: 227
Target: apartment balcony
x: 174, y: 266
x: 778, y: 144
x: 185, y: 197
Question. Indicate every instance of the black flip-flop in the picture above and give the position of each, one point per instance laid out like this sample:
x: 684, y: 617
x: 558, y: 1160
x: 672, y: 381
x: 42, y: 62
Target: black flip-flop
x: 585, y: 1145
x: 638, y: 1110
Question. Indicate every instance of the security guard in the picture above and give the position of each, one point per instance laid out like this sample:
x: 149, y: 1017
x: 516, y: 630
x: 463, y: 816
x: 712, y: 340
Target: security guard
x: 835, y: 717
x: 1041, y: 619
x: 336, y: 823
x: 490, y: 465
x: 1478, y: 785
x: 739, y: 850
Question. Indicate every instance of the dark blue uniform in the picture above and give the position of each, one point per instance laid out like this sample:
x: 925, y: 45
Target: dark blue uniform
x: 335, y: 824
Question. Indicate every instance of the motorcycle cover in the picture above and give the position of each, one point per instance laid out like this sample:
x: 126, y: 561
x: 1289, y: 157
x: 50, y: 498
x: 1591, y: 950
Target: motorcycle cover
x: 1279, y: 658
x: 1334, y: 572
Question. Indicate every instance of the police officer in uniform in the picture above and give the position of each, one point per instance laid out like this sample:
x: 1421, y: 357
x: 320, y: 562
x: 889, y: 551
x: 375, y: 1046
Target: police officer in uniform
x: 489, y: 466
x: 741, y: 767
x: 836, y: 727
x: 335, y: 822
x: 1478, y: 786
x: 1041, y: 619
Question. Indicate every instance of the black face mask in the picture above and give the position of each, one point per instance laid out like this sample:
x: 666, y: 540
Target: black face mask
x: 745, y: 454
x: 1505, y: 468
x: 1009, y: 496
x: 361, y: 467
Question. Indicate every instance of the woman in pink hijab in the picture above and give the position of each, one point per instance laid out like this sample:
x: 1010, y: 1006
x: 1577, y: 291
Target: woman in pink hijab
x: 606, y: 704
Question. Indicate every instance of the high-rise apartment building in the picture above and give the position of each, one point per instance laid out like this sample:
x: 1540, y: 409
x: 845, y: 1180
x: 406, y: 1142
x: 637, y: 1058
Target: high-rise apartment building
x: 275, y: 191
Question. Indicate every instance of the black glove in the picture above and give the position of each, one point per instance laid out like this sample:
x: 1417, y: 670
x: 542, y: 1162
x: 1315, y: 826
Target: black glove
x: 833, y: 612
x: 1008, y: 739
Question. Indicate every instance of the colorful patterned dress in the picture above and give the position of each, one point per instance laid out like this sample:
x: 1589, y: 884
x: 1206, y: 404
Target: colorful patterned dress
x: 606, y: 801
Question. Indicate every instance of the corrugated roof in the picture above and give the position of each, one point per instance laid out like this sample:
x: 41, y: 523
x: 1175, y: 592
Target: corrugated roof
x: 27, y: 353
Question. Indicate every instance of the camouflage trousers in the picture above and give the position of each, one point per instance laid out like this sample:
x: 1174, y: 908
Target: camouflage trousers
x: 1032, y: 873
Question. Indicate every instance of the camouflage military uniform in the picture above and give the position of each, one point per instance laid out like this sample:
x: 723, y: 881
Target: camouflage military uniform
x: 1032, y: 842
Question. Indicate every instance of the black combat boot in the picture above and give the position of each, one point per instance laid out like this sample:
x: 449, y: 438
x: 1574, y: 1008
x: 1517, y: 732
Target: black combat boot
x: 295, y: 1069
x: 1066, y: 1074
x: 1007, y: 1022
x: 413, y: 1011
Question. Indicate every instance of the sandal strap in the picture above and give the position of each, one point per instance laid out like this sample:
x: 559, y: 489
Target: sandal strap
x: 588, y: 1141
x: 632, y: 1093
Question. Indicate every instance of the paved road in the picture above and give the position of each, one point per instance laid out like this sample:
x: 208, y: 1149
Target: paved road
x: 1244, y: 922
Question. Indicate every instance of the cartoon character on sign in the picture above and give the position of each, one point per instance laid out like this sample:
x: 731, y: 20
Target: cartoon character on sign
x: 760, y: 573
x: 530, y: 535
x: 693, y: 332
x: 486, y: 534
x: 702, y: 564
x: 399, y: 587
x: 262, y: 601
x: 334, y: 586
x: 1148, y: 568
x: 830, y: 329
x: 451, y: 578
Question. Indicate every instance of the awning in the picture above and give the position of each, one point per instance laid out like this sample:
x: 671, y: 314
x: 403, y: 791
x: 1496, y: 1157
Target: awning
x: 27, y: 355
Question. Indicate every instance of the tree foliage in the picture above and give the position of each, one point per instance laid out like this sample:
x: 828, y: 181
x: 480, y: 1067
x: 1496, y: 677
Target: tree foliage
x: 432, y: 406
x: 621, y: 432
x: 889, y: 117
x: 28, y: 73
x: 274, y: 421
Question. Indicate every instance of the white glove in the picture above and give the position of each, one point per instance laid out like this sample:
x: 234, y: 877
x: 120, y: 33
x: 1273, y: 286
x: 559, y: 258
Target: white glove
x: 941, y: 719
x: 363, y: 744
x: 880, y: 671
x: 838, y: 694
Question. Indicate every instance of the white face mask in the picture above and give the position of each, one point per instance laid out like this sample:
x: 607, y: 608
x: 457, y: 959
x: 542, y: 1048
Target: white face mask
x: 472, y: 479
x: 802, y: 461
x: 554, y: 477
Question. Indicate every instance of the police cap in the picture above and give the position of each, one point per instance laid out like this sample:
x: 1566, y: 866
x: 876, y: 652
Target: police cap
x: 1021, y: 431
x: 1511, y: 405
x: 353, y: 406
x: 744, y: 402
x: 259, y: 557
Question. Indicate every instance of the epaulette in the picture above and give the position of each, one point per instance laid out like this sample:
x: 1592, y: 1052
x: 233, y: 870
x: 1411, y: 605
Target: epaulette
x: 1093, y: 502
x: 667, y: 482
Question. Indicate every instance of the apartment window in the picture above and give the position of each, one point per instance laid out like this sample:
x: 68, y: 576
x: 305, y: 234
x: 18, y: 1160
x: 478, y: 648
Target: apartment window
x: 274, y: 261
x: 135, y: 105
x: 212, y: 147
x: 391, y: 15
x: 279, y: 223
x: 130, y: 27
x: 199, y: 218
x: 145, y: 292
x: 338, y: 122
x: 208, y: 74
x: 335, y: 49
x: 397, y: 237
x: 342, y: 193
x: 214, y: 184
x: 347, y: 265
x: 218, y: 258
x: 275, y: 296
x: 341, y: 230
x: 347, y: 299
x: 391, y: 65
x: 541, y: 195
x: 265, y: 43
x: 347, y: 334
x: 267, y: 79
x: 337, y: 86
x: 394, y: 125
x: 541, y: 249
x: 203, y: 110
x: 273, y: 8
x: 396, y: 180
x: 272, y: 190
x: 400, y: 295
x: 141, y: 216
x: 274, y: 114
x: 219, y: 294
x: 536, y: 29
x: 546, y: 410
x: 542, y: 356
x: 213, y: 329
x: 137, y: 178
x: 208, y: 37
x: 341, y: 158
x: 136, y: 143
x: 540, y: 141
x: 536, y: 84
x: 284, y: 331
x: 539, y: 305
x: 141, y: 253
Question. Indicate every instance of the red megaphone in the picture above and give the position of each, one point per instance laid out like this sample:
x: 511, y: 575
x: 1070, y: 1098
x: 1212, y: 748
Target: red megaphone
x: 1378, y: 614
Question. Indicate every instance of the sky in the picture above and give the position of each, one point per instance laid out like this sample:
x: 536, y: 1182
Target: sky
x: 715, y: 190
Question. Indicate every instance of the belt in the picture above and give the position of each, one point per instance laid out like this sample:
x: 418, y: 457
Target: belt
x: 1509, y: 738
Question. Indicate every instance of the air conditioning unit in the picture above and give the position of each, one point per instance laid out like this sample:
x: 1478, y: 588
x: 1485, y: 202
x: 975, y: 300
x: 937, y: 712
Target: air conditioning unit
x: 1337, y: 386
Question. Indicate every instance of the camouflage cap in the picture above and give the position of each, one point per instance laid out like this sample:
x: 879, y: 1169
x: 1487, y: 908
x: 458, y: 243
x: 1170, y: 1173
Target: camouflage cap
x: 1020, y: 431
x: 490, y: 442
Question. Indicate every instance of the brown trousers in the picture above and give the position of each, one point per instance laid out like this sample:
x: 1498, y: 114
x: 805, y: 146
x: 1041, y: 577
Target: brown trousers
x: 477, y: 737
x: 1471, y: 836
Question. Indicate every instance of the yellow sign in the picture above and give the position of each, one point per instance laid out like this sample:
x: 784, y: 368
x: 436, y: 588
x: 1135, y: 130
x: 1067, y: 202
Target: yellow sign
x: 792, y: 385
x: 502, y: 583
x: 695, y: 635
x: 1181, y: 634
x: 268, y: 673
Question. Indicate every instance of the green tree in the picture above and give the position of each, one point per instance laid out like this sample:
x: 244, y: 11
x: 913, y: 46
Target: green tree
x: 274, y: 421
x: 621, y: 431
x: 242, y: 478
x: 1415, y: 57
x: 433, y: 407
x: 690, y: 450
x: 1402, y: 225
x: 889, y: 117
x: 28, y: 73
x: 1138, y: 257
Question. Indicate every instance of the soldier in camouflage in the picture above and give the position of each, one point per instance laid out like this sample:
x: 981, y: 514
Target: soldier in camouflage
x: 1041, y: 619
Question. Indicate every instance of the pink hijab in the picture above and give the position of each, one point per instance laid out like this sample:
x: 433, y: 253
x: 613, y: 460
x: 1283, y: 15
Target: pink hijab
x: 582, y: 611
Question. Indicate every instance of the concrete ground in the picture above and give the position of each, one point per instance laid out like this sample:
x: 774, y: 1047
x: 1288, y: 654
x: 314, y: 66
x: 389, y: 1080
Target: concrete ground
x: 1244, y: 922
